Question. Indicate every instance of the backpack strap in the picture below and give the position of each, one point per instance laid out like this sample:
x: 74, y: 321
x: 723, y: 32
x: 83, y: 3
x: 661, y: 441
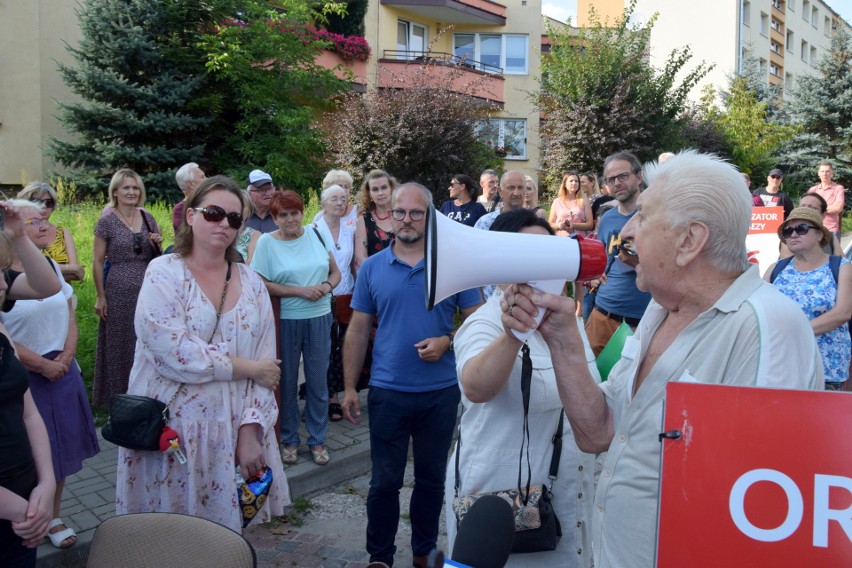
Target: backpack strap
x: 834, y: 265
x: 322, y: 242
x: 779, y: 266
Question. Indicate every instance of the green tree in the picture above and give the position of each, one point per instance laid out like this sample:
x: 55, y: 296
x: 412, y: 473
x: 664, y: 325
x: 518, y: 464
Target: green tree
x: 821, y: 107
x: 137, y: 88
x: 600, y: 94
x: 269, y: 90
x: 421, y: 131
x: 745, y: 124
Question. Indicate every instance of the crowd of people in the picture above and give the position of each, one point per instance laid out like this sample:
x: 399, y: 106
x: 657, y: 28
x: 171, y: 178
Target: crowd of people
x: 251, y: 292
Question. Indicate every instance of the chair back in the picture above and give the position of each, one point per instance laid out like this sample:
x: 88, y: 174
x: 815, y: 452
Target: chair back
x: 154, y: 540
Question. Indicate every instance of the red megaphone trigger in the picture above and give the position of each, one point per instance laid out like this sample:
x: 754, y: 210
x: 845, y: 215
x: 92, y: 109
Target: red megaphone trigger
x: 592, y: 258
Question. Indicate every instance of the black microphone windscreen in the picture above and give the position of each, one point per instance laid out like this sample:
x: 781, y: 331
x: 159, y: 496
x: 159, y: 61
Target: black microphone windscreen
x: 486, y: 533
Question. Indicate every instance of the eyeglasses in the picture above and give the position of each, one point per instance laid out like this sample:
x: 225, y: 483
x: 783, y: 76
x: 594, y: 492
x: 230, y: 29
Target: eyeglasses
x: 137, y: 243
x: 455, y: 183
x: 215, y: 214
x: 775, y: 177
x: 38, y: 223
x: 620, y: 177
x: 49, y: 203
x: 801, y: 229
x: 264, y: 189
x: 415, y: 214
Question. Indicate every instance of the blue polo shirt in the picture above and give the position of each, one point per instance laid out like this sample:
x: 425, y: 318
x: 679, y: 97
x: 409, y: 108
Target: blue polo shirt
x: 395, y: 291
x: 619, y: 295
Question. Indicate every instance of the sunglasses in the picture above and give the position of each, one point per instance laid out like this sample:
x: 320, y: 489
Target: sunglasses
x: 775, y: 177
x: 215, y: 214
x: 137, y: 243
x: 49, y: 203
x: 801, y: 229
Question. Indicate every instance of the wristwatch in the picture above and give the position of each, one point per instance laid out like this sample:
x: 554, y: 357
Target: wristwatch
x: 450, y: 335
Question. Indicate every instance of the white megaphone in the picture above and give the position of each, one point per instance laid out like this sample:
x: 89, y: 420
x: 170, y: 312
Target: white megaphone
x: 544, y: 262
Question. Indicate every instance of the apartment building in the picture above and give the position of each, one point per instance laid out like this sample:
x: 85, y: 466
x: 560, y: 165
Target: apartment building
x: 492, y: 45
x: 788, y: 37
x: 33, y: 34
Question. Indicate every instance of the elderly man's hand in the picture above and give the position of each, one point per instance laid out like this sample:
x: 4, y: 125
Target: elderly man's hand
x: 521, y: 303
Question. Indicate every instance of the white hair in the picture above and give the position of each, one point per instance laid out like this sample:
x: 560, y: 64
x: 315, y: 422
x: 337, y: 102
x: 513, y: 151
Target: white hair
x: 326, y: 193
x: 23, y: 204
x: 333, y: 176
x: 703, y: 187
x: 184, y: 174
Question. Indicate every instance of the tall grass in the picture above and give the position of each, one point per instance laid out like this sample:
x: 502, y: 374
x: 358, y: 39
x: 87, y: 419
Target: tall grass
x: 80, y: 219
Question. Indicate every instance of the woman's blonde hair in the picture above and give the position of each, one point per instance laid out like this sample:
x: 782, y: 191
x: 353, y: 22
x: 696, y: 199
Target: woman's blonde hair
x: 116, y: 181
x: 35, y: 188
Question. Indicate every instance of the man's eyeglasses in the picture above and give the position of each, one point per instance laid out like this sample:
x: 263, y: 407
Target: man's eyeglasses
x: 215, y: 214
x: 415, y: 214
x: 49, y: 203
x: 775, y: 177
x: 622, y: 177
x: 801, y: 229
x: 38, y: 223
x: 263, y: 189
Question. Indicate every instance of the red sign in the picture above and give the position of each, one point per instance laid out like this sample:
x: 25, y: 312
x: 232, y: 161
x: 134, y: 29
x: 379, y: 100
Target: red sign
x: 756, y: 477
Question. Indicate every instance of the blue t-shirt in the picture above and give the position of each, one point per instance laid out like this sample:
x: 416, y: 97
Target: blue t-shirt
x: 619, y: 295
x: 395, y: 292
x: 300, y: 262
x: 468, y: 213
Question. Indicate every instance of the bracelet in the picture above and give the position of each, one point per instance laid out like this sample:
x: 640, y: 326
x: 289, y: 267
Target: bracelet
x: 330, y: 287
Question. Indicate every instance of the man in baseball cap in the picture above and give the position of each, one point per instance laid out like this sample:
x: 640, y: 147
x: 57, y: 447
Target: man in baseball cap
x: 771, y: 195
x: 260, y: 190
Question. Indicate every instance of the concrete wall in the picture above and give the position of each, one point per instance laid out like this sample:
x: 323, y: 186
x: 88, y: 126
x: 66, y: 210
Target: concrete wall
x: 32, y: 33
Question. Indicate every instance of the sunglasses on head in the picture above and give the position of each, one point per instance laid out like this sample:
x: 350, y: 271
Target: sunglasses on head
x: 49, y: 203
x: 215, y: 214
x: 800, y: 229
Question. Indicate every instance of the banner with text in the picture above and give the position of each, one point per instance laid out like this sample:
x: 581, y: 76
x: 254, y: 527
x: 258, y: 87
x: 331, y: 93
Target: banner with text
x: 755, y: 477
x: 762, y: 239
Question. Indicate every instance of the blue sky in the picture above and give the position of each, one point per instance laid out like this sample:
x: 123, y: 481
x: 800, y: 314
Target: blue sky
x: 563, y: 9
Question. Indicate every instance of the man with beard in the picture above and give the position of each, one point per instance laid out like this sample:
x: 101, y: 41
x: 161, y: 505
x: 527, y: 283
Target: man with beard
x: 414, y: 390
x: 618, y: 299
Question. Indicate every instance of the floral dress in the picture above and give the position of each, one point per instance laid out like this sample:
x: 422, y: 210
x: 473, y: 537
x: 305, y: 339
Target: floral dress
x: 815, y: 291
x: 173, y: 324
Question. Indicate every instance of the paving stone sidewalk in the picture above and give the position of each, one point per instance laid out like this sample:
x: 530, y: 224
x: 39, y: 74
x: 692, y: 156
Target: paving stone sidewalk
x: 89, y: 498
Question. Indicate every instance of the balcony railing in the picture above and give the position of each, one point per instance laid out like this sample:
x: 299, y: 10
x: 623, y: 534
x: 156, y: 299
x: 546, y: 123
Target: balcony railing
x: 441, y: 58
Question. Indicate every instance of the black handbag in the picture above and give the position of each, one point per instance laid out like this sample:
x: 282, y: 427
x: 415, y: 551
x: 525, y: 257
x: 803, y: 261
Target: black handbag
x: 537, y: 528
x: 136, y: 422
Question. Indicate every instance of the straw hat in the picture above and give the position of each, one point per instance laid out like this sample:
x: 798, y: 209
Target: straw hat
x: 813, y: 217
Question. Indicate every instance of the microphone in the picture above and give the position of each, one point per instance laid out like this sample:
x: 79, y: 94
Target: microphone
x: 486, y: 534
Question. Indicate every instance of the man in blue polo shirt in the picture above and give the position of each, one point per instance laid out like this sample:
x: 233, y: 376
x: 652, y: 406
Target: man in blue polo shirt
x: 618, y: 299
x: 414, y: 390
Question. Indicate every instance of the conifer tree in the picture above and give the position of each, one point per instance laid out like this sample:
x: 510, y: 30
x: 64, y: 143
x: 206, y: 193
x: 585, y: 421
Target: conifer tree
x: 138, y: 80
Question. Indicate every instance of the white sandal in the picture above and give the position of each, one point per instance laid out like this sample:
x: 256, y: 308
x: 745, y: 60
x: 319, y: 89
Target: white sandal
x: 57, y: 538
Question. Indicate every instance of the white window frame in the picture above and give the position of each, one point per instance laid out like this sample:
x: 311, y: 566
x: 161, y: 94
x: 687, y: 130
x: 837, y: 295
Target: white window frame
x: 815, y: 17
x: 791, y: 39
x: 411, y: 26
x: 764, y: 24
x: 813, y: 56
x: 777, y: 26
x: 806, y: 10
x: 495, y: 131
x: 477, y: 53
x: 774, y: 70
x: 804, y: 52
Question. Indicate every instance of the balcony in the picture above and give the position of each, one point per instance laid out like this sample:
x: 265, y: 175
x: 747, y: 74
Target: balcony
x: 479, y: 80
x: 332, y: 60
x: 477, y: 12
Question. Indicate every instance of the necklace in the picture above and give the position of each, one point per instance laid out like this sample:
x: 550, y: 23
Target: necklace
x: 379, y: 217
x: 123, y: 218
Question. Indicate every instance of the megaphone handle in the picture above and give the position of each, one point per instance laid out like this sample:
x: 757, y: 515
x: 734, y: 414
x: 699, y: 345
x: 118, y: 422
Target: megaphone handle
x: 548, y: 287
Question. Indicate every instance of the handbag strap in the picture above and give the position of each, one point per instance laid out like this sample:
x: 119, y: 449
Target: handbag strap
x: 215, y: 329
x: 526, y: 382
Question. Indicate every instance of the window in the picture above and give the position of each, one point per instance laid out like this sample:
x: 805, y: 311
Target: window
x: 410, y: 39
x: 777, y: 26
x: 746, y: 12
x: 762, y: 63
x: 791, y: 5
x: 764, y: 24
x: 508, y: 134
x: 777, y: 4
x: 805, y: 51
x: 790, y: 39
x: 827, y: 26
x: 814, y: 17
x: 774, y: 69
x: 788, y: 81
x: 813, y: 55
x: 494, y: 53
x: 806, y: 10
x: 774, y: 46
